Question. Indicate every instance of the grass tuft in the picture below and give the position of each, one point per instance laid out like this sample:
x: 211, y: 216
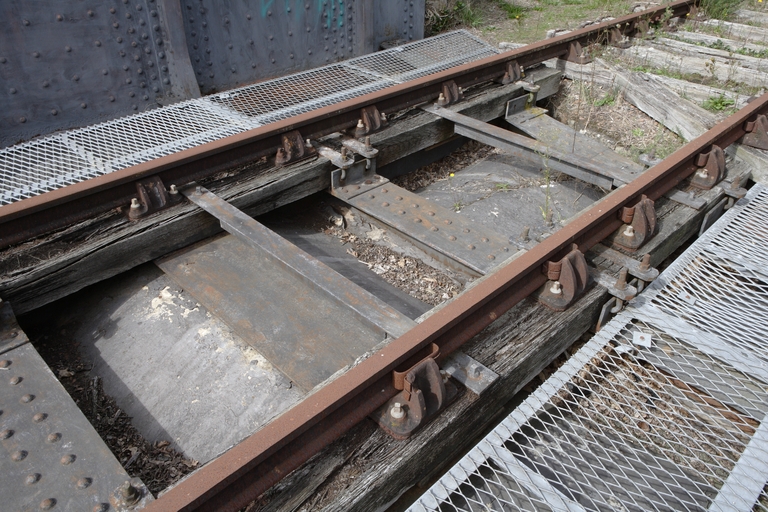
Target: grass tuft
x: 720, y: 9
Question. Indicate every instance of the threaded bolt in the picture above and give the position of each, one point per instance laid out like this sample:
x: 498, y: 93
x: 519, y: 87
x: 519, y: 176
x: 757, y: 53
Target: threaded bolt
x: 173, y: 190
x: 474, y: 371
x: 621, y: 282
x: 397, y: 411
x: 646, y: 263
x: 130, y: 493
x: 135, y: 204
x: 629, y: 232
x: 556, y: 289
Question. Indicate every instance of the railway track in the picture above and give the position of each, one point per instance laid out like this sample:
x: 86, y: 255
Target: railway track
x: 371, y: 359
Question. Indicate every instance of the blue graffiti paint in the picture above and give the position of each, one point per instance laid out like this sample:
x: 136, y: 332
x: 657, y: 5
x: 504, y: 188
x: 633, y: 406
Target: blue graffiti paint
x: 265, y: 5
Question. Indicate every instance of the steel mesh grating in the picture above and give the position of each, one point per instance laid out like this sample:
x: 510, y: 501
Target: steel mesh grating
x: 621, y: 426
x: 295, y: 94
x: 424, y: 57
x: 666, y: 408
x: 62, y: 159
x: 720, y: 285
x: 41, y: 166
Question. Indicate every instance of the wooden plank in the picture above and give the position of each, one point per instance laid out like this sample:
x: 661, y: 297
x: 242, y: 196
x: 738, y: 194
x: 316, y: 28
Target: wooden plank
x: 721, y: 56
x: 709, y: 40
x: 40, y: 271
x: 753, y: 17
x: 535, y: 123
x: 654, y: 95
x: 721, y: 69
x: 739, y: 31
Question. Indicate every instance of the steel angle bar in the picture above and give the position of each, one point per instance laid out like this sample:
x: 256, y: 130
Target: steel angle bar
x: 51, y: 210
x: 743, y: 486
x: 524, y: 147
x: 317, y: 274
x: 251, y: 467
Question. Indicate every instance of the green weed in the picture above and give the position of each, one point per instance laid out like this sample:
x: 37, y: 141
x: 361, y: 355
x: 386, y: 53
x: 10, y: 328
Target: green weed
x: 608, y: 100
x: 513, y: 12
x: 718, y: 103
x: 460, y: 14
x: 720, y: 9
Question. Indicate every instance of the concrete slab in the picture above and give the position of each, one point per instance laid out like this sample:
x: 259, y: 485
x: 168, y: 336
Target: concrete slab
x: 180, y: 373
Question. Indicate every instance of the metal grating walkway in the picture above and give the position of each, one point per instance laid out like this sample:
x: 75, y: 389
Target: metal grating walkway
x: 48, y: 163
x: 666, y: 408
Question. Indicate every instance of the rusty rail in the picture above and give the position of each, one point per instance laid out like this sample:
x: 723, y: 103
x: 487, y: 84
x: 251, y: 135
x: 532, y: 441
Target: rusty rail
x: 251, y: 467
x: 32, y: 217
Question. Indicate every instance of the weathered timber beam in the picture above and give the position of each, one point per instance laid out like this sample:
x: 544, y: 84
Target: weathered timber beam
x: 56, y: 265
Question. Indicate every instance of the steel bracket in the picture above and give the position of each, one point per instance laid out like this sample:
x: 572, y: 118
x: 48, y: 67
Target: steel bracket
x: 711, y: 168
x: 294, y: 149
x: 639, y: 225
x: 425, y: 392
x: 475, y: 376
x: 371, y: 120
x: 610, y: 308
x: 617, y: 38
x: 577, y: 54
x: 619, y: 288
x: 568, y: 279
x: 513, y: 73
x: 450, y: 94
x: 152, y: 196
x: 641, y: 27
x: 353, y: 178
x: 757, y: 133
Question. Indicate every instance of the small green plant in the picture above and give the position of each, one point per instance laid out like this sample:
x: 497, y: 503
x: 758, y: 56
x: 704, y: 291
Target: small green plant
x: 718, y: 103
x: 514, y: 12
x: 637, y: 132
x: 608, y: 100
x: 457, y: 206
x: 454, y: 15
x: 503, y: 187
x: 720, y: 9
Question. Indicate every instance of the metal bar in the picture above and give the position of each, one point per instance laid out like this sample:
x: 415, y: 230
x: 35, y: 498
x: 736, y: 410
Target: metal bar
x: 623, y: 260
x: 311, y: 270
x: 524, y: 147
x: 245, y: 471
x: 746, y: 481
x: 55, y: 209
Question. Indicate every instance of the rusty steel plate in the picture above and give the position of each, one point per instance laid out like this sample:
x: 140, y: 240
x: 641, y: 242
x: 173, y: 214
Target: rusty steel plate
x: 443, y: 233
x: 297, y: 326
x: 51, y: 457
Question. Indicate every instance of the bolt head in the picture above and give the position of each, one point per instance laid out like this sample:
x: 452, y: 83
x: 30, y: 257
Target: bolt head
x: 397, y: 412
x: 556, y: 289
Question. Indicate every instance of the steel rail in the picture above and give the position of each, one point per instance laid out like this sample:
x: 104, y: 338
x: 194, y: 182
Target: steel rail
x: 250, y: 468
x: 59, y: 208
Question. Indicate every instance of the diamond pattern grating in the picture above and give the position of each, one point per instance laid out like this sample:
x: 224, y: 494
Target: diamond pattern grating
x: 663, y: 409
x: 42, y: 165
